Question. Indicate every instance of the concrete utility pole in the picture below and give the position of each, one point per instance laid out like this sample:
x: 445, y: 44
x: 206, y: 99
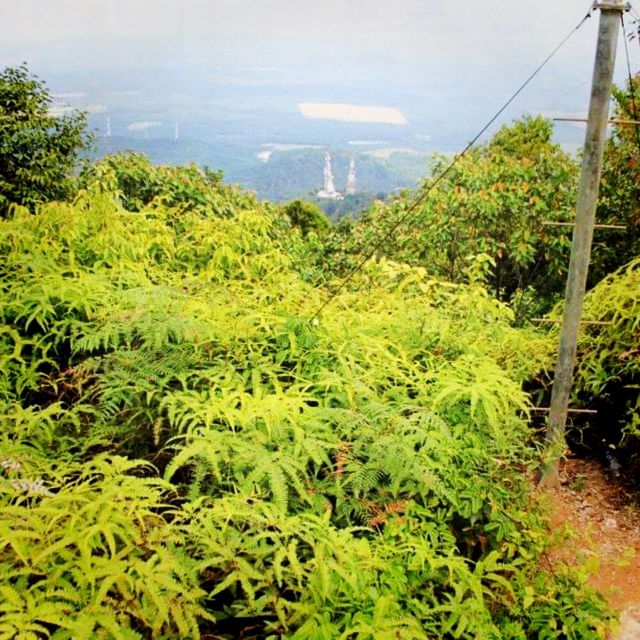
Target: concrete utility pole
x: 610, y: 12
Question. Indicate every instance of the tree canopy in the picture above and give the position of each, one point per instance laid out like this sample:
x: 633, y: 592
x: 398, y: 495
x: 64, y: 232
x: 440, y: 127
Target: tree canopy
x: 494, y: 201
x: 38, y: 150
x: 619, y: 201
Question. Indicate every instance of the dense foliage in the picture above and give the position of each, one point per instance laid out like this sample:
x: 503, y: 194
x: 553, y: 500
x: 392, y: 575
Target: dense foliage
x: 189, y: 449
x: 494, y: 202
x: 350, y: 206
x: 306, y: 216
x: 138, y: 183
x: 608, y: 372
x: 38, y: 151
x: 184, y: 452
x: 619, y: 201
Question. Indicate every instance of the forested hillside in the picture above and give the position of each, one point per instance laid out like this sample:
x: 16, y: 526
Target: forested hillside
x: 285, y: 173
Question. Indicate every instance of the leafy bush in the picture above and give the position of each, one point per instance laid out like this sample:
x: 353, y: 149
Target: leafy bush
x: 306, y: 216
x: 138, y: 183
x: 619, y: 201
x: 184, y: 453
x: 608, y: 371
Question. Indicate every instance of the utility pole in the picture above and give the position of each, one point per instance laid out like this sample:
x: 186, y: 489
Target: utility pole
x: 610, y: 12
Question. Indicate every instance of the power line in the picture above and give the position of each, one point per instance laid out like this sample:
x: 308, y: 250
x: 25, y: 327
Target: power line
x: 425, y: 194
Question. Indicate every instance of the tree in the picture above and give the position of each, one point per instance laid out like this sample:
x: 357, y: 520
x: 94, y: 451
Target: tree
x: 306, y: 216
x: 494, y: 202
x: 619, y: 201
x: 138, y: 182
x: 38, y: 151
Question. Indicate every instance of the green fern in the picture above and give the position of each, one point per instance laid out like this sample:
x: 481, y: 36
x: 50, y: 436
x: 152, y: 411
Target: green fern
x: 181, y: 449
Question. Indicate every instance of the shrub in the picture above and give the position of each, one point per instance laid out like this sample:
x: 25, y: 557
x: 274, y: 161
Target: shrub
x: 306, y: 216
x: 608, y: 369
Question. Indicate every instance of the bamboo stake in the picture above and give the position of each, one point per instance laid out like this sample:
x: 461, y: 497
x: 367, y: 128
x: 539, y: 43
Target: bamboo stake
x: 594, y: 322
x: 549, y: 223
x: 610, y: 121
x: 546, y: 409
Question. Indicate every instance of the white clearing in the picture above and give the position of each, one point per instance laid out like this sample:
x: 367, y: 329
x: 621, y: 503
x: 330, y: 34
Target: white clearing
x: 350, y: 112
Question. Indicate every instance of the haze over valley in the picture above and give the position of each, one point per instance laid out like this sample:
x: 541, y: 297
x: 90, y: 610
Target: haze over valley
x: 260, y: 90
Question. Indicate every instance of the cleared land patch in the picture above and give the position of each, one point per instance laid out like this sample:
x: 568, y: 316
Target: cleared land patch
x: 351, y: 112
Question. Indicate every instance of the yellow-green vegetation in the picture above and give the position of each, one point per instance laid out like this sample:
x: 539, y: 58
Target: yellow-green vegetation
x: 607, y: 375
x: 494, y: 201
x: 186, y: 452
x: 609, y: 354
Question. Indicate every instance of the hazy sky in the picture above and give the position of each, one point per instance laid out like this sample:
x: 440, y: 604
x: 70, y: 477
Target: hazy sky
x: 415, y: 21
x: 434, y: 46
x: 207, y: 32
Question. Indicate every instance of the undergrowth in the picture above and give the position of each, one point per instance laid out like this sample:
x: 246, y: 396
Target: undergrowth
x: 184, y: 453
x: 608, y: 369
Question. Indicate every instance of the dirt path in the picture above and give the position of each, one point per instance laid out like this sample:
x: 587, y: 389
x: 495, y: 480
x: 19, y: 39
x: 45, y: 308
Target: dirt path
x: 603, y: 526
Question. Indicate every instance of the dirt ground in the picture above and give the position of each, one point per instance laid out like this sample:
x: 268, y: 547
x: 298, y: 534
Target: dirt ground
x: 602, y: 522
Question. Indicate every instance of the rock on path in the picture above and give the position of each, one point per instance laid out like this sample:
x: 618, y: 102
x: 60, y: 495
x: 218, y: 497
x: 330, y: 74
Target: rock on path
x: 629, y: 625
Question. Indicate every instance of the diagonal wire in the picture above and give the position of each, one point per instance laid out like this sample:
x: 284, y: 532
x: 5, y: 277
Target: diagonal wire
x: 631, y: 84
x: 425, y: 194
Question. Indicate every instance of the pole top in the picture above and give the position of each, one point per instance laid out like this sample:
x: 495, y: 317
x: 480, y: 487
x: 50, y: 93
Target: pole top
x: 612, y: 5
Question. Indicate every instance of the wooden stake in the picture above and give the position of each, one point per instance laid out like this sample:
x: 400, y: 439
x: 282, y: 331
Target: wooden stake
x: 610, y: 121
x: 568, y: 410
x: 549, y: 223
x: 595, y: 322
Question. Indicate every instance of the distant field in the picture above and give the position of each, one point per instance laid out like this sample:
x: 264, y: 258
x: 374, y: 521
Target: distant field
x: 351, y: 112
x: 267, y: 149
x: 387, y: 153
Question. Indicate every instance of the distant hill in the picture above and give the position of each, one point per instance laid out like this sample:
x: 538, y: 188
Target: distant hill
x: 287, y: 174
x: 235, y: 161
x: 299, y: 172
x: 351, y: 206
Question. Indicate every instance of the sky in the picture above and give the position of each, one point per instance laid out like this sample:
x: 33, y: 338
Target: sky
x: 461, y: 55
x: 210, y: 31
